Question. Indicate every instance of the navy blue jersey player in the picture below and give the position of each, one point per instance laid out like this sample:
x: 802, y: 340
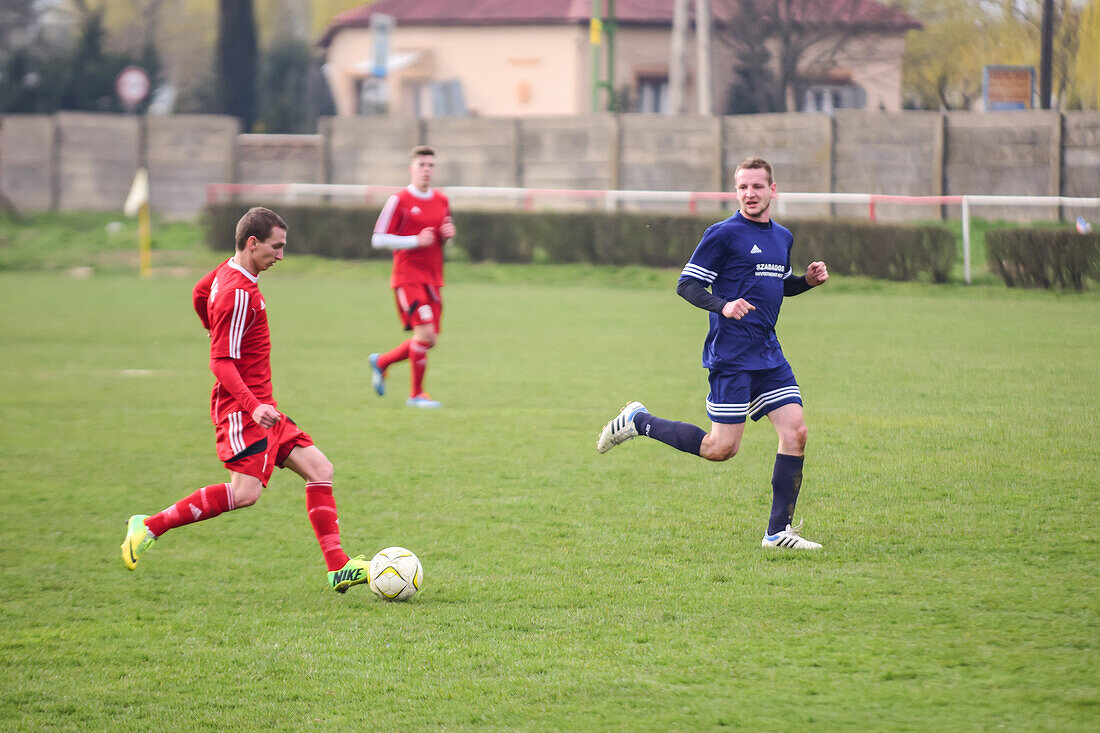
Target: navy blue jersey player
x: 745, y: 261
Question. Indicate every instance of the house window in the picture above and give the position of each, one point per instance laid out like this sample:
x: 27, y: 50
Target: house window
x: 653, y: 94
x: 415, y: 98
x: 423, y: 98
x: 828, y: 97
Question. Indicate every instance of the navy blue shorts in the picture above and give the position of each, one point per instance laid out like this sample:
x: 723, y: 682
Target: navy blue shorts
x: 735, y: 395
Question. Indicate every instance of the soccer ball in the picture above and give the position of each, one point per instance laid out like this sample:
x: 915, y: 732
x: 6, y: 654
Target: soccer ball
x: 395, y: 574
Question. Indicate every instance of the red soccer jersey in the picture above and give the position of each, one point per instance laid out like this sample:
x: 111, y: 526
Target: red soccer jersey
x: 229, y: 304
x: 405, y: 214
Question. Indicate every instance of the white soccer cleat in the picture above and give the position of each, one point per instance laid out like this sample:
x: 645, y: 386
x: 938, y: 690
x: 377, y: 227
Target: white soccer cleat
x: 620, y: 429
x: 425, y: 401
x: 789, y: 539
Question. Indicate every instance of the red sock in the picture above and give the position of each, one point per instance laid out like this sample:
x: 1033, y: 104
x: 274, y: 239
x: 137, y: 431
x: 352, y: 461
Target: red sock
x: 206, y: 503
x: 418, y: 358
x: 394, y: 355
x: 326, y: 525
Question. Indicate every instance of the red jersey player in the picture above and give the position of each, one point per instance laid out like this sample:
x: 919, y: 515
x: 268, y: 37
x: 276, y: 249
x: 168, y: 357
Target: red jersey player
x: 252, y: 436
x: 415, y: 224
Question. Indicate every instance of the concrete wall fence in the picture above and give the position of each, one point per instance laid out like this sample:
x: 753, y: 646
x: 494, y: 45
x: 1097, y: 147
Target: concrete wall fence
x: 86, y: 161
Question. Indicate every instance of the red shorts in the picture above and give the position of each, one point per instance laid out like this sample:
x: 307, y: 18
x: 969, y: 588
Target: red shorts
x: 418, y: 305
x: 245, y: 447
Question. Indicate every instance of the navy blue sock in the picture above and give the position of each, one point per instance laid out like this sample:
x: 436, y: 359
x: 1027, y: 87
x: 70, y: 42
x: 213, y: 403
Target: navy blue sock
x: 680, y: 435
x: 786, y: 481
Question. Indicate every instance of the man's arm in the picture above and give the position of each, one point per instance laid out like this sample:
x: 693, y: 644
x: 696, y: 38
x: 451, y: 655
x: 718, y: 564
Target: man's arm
x: 388, y: 222
x: 200, y: 296
x: 795, y: 285
x: 382, y: 240
x: 447, y: 230
x: 816, y: 274
x: 227, y: 309
x: 694, y: 292
x: 225, y: 371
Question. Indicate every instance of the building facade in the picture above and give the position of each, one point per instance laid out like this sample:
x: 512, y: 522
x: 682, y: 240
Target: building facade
x: 520, y: 58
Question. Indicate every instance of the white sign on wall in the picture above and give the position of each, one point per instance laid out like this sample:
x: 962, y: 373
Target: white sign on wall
x: 132, y: 86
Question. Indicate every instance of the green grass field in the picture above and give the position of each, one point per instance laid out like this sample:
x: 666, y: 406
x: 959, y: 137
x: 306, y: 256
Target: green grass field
x: 952, y: 475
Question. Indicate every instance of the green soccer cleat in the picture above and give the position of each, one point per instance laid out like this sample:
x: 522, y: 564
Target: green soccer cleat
x: 354, y: 572
x: 138, y: 540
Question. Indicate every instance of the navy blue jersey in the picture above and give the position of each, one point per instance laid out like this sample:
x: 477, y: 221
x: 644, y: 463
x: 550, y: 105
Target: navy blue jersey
x: 739, y: 258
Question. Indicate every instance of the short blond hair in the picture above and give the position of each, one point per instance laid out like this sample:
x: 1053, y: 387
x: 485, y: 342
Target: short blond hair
x: 755, y: 162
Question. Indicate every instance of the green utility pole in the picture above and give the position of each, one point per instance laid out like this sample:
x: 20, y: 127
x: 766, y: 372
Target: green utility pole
x: 598, y: 28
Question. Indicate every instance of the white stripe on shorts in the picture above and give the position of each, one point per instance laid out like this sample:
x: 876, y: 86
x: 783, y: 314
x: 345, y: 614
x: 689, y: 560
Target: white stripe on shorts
x: 770, y: 398
x: 236, y: 442
x: 727, y: 410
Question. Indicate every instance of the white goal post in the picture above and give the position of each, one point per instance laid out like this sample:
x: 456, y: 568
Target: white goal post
x: 615, y: 200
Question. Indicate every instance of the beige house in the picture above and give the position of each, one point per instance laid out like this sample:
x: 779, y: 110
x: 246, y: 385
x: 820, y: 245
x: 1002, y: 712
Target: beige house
x: 518, y: 58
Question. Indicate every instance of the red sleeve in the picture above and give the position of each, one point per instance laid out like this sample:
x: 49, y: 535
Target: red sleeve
x: 225, y: 371
x: 231, y: 314
x: 200, y: 296
x: 389, y: 220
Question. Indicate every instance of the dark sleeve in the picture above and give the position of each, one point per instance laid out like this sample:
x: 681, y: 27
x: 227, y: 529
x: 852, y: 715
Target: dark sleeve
x: 795, y: 285
x: 694, y: 292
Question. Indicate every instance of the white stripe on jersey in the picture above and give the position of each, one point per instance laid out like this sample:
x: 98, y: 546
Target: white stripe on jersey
x: 699, y: 273
x: 235, y: 430
x: 237, y: 323
x: 776, y: 395
x: 382, y: 226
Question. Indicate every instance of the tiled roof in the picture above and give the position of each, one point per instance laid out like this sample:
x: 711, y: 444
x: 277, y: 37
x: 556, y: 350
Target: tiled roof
x: 852, y: 13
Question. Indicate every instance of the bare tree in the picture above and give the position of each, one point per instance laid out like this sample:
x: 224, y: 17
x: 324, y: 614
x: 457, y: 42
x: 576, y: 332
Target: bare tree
x: 944, y: 61
x: 782, y: 44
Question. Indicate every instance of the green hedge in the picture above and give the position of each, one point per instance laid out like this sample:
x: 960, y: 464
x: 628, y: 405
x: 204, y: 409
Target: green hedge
x: 895, y: 252
x: 329, y: 231
x: 887, y: 251
x: 1044, y: 258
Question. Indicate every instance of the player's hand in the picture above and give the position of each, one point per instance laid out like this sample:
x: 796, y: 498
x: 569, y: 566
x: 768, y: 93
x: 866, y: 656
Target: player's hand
x: 266, y: 416
x: 448, y: 228
x: 816, y: 274
x: 737, y: 309
x: 426, y: 236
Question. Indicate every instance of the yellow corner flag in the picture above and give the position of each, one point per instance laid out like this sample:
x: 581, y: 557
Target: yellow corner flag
x: 137, y: 203
x: 595, y: 29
